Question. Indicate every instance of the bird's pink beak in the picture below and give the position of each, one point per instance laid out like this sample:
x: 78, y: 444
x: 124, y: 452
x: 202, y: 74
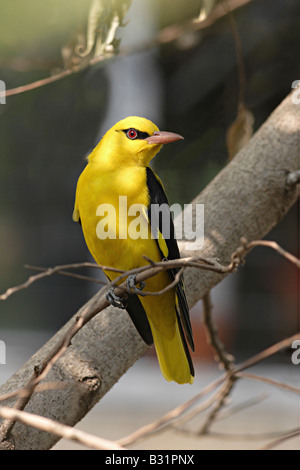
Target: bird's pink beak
x: 163, y: 137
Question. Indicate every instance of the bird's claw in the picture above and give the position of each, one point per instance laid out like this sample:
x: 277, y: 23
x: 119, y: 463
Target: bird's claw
x: 131, y: 284
x: 115, y: 300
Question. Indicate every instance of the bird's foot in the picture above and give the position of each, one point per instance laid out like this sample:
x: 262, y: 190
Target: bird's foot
x: 132, y: 285
x: 115, y: 300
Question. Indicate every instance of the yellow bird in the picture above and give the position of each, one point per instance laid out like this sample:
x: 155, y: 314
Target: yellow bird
x: 118, y: 172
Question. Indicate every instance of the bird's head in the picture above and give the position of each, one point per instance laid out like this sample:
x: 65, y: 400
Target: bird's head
x: 132, y: 141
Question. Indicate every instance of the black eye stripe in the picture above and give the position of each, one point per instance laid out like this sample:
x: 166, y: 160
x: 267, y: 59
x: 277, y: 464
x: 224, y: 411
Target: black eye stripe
x: 140, y: 135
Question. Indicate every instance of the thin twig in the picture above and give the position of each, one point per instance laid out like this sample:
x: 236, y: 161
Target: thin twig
x: 170, y: 286
x: 201, y: 407
x: 218, y: 405
x: 274, y: 383
x: 61, y: 430
x: 46, y: 272
x: 274, y: 349
x: 168, y: 418
x: 223, y: 357
x: 161, y: 266
x: 239, y: 54
x: 281, y: 439
x: 245, y: 436
x: 69, y: 274
x: 274, y: 246
x: 178, y: 414
x: 39, y: 388
x: 196, y: 262
x: 165, y: 36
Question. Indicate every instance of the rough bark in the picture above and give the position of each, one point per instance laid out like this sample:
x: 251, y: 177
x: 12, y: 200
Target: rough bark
x: 247, y: 198
x: 250, y: 195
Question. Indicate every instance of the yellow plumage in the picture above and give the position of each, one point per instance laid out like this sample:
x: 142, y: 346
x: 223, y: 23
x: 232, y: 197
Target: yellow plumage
x: 119, y: 166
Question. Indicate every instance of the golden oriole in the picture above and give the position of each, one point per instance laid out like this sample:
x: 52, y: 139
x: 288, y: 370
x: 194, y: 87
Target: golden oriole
x: 118, y: 170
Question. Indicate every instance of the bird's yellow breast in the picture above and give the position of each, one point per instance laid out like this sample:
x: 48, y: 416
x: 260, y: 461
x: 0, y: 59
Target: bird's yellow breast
x: 110, y: 201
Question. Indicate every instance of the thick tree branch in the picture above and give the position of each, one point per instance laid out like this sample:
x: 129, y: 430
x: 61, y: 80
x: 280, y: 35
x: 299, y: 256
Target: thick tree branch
x: 246, y: 199
x: 250, y: 195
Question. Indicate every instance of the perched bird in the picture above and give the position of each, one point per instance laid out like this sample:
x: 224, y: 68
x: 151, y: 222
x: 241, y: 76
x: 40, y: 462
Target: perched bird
x: 118, y: 167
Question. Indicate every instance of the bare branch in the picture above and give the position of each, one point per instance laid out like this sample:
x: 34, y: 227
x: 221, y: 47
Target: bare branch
x: 70, y: 274
x: 165, y: 36
x: 225, y: 383
x: 61, y: 430
x: 181, y: 263
x: 45, y: 273
x: 40, y: 388
x: 218, y: 405
x: 169, y: 417
x: 222, y: 356
x: 274, y: 246
x: 272, y: 382
x: 281, y: 439
x: 285, y: 343
x: 245, y: 436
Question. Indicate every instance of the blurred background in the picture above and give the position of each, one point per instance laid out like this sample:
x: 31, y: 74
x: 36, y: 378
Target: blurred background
x: 186, y: 77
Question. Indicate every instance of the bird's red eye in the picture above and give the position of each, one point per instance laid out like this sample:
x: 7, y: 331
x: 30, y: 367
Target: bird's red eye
x: 132, y: 134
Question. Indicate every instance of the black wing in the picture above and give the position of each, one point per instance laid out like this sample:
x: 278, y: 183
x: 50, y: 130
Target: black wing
x: 138, y: 316
x: 162, y: 226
